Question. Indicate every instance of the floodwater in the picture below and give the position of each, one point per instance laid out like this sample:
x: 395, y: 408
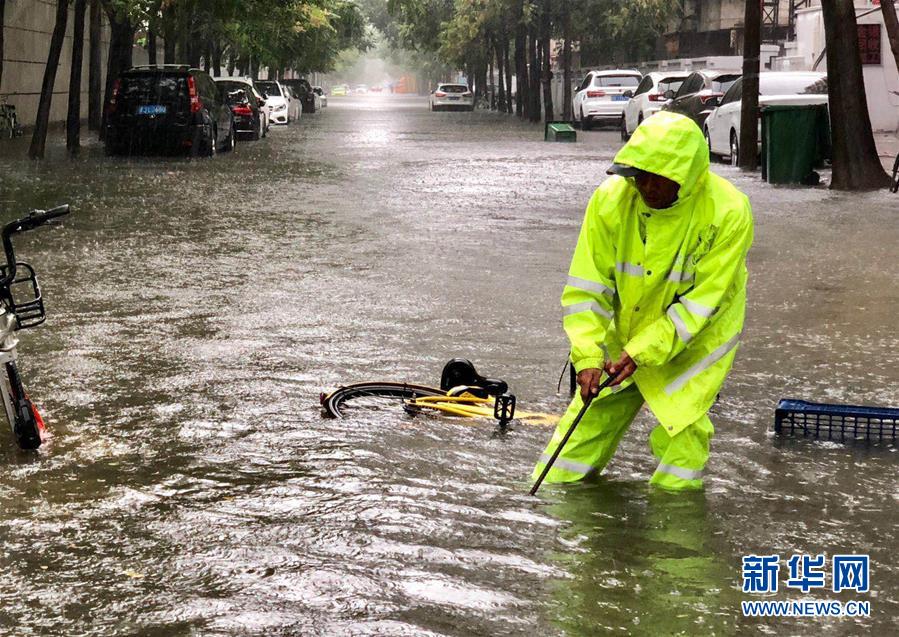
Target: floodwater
x: 197, y: 309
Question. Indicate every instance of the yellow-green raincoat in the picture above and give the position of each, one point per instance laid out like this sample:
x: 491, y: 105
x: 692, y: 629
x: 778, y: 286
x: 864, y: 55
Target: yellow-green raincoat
x: 668, y: 286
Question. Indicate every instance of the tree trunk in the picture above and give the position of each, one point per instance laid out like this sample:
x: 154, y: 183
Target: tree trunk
x: 534, y: 80
x: 39, y: 138
x: 217, y: 58
x: 749, y: 113
x: 151, y: 46
x: 547, y: 75
x: 95, y: 70
x: 521, y: 68
x: 508, y: 64
x: 169, y: 36
x: 500, y: 70
x: 2, y: 22
x: 491, y: 87
x: 856, y: 165
x: 566, y: 61
x: 121, y: 42
x: 73, y: 119
x: 888, y: 7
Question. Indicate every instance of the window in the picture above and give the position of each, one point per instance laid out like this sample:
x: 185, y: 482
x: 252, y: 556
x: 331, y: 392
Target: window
x: 734, y: 93
x: 270, y: 88
x: 616, y: 81
x: 585, y: 83
x: 644, y: 86
x: 454, y: 88
x: 669, y: 84
x: 694, y: 80
x: 724, y: 82
x: 153, y: 88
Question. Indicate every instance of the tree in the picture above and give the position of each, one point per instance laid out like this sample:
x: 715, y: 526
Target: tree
x: 856, y: 165
x: 39, y: 138
x: 73, y: 120
x: 95, y: 69
x: 749, y: 127
x: 2, y: 23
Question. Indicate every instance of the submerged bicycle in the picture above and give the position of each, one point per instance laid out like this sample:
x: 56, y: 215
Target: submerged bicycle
x: 21, y: 307
x: 462, y: 392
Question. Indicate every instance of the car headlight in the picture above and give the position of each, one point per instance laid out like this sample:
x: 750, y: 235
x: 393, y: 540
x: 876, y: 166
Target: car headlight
x: 281, y: 107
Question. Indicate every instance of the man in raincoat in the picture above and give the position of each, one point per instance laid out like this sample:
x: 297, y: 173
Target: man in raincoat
x: 656, y: 292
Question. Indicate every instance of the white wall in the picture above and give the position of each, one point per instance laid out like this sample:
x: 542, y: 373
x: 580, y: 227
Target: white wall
x: 28, y: 27
x: 880, y: 80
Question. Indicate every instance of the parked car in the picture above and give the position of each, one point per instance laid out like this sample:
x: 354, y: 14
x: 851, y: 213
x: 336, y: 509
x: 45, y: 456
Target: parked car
x: 700, y: 93
x: 340, y: 89
x: 361, y: 89
x: 304, y: 90
x: 167, y: 108
x: 722, y: 127
x: 247, y: 106
x: 376, y: 89
x: 448, y: 97
x: 322, y: 96
x: 278, y: 100
x: 600, y: 97
x: 648, y: 98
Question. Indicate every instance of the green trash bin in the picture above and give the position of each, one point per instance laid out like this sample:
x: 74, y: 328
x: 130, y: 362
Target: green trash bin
x: 795, y: 139
x: 559, y: 132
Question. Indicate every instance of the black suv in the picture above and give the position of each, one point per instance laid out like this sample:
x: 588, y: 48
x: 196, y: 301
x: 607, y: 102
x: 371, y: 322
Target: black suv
x: 700, y: 93
x: 168, y: 108
x: 304, y: 89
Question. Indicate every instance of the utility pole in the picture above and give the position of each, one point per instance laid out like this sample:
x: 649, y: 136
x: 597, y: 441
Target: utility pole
x: 749, y: 110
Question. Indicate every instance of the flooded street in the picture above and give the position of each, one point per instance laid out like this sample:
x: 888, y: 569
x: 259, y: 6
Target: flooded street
x: 196, y: 310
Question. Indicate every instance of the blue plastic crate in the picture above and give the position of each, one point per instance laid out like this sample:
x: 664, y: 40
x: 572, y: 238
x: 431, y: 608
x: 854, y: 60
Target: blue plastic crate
x: 842, y: 423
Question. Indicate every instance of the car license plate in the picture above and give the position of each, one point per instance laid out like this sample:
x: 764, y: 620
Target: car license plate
x: 151, y: 109
x: 619, y: 98
x: 452, y: 97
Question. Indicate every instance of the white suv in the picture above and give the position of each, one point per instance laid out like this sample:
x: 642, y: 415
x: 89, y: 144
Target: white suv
x: 649, y: 98
x: 600, y: 97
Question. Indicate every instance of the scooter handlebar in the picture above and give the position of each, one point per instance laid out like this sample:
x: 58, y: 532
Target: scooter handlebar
x: 34, y: 219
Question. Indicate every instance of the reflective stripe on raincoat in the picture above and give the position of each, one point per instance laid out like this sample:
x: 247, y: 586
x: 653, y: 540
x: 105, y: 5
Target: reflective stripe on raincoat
x: 666, y: 285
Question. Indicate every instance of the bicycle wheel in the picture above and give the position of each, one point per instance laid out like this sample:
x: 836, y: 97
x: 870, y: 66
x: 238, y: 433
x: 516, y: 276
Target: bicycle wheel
x: 372, y: 396
x: 27, y: 424
x: 895, y: 186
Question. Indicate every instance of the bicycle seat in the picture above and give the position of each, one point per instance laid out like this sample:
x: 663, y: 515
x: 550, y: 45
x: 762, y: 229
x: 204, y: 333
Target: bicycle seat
x: 461, y: 371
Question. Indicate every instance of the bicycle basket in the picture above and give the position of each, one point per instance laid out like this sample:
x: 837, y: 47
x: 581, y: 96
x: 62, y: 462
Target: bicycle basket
x: 23, y: 297
x: 836, y: 422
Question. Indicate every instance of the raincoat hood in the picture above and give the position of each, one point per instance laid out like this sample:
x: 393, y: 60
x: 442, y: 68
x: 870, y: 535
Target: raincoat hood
x: 670, y: 145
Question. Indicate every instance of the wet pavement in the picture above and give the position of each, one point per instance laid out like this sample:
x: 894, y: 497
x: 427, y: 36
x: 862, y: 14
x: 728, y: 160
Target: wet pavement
x: 197, y: 310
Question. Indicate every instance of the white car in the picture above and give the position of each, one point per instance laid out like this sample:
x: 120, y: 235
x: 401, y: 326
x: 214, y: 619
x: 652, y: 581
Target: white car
x: 281, y: 107
x: 451, y: 97
x: 323, y: 97
x: 722, y: 127
x: 648, y: 98
x: 600, y: 97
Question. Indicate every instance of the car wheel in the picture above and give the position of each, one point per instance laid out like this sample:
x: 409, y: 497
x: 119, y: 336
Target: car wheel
x: 230, y: 141
x: 708, y: 142
x: 734, y: 149
x: 624, y: 135
x: 585, y: 123
x: 210, y: 146
x: 257, y: 132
